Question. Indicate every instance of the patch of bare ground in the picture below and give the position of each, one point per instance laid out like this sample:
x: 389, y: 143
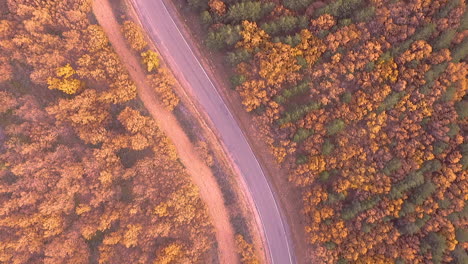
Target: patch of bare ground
x: 201, y: 174
x: 214, y: 63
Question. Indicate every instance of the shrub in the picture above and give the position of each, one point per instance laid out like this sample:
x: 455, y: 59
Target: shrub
x: 335, y: 127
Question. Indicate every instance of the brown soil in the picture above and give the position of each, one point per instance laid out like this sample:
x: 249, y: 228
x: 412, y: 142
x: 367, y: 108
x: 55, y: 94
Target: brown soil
x: 201, y: 174
x: 194, y: 115
x: 214, y: 63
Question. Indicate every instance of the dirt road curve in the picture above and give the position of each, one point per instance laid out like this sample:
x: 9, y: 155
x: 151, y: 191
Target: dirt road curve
x: 162, y: 27
x: 200, y: 173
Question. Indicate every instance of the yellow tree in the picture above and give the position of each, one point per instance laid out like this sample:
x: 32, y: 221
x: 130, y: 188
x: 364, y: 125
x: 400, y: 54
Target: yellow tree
x: 252, y: 36
x: 97, y: 39
x: 168, y: 254
x: 134, y: 35
x: 278, y: 63
x: 387, y: 70
x: 150, y: 59
x: 163, y: 83
x: 64, y: 81
x: 253, y: 94
x: 6, y: 28
x: 246, y: 251
x: 311, y: 47
x: 86, y: 113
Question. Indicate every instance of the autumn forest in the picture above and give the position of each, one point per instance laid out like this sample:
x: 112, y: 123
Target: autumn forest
x: 86, y: 175
x: 364, y: 102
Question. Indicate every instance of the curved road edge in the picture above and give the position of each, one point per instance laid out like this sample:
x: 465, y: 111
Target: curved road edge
x: 163, y: 30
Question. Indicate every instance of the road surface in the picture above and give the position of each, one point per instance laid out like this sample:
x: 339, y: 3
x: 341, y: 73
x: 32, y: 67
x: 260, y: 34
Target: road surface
x: 161, y: 27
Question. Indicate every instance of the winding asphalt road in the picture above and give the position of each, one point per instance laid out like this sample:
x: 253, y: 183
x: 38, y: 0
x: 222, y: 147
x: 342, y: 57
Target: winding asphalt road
x: 161, y: 26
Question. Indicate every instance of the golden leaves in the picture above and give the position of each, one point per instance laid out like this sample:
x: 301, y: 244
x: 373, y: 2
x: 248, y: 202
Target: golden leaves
x: 130, y: 237
x: 105, y: 177
x: 52, y: 225
x: 88, y: 232
x: 253, y: 94
x: 252, y: 36
x: 279, y: 153
x: 246, y: 251
x: 97, y: 38
x: 278, y: 64
x: 150, y: 59
x: 6, y: 29
x: 217, y: 6
x: 342, y: 37
x: 317, y: 164
x: 132, y: 120
x: 64, y: 81
x: 163, y: 83
x: 161, y: 210
x: 387, y: 70
x: 82, y: 208
x: 419, y: 49
x: 134, y: 35
x: 395, y: 95
x: 311, y: 47
x: 73, y: 165
x: 112, y: 239
x: 323, y: 22
x: 168, y: 254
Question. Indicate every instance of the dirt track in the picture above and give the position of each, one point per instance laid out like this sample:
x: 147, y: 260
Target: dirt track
x: 196, y: 168
x: 161, y: 26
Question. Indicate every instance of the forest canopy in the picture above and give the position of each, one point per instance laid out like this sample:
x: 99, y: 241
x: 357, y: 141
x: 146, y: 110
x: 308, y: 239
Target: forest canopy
x: 86, y: 176
x: 364, y: 101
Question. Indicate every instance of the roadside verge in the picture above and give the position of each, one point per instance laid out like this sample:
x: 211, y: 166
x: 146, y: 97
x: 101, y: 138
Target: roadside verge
x: 289, y: 198
x: 201, y: 174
